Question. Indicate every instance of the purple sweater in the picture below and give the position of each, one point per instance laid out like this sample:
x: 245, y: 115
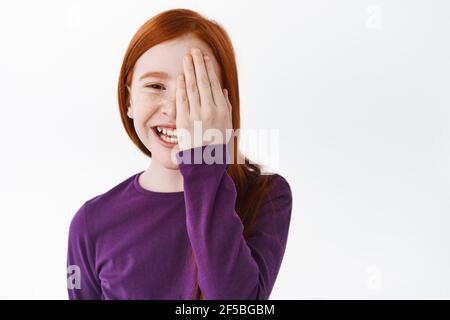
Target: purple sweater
x: 132, y: 243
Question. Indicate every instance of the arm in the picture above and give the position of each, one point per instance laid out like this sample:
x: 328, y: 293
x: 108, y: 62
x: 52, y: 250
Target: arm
x: 230, y: 266
x: 82, y: 281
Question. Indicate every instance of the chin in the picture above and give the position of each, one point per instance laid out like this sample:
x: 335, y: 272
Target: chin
x: 163, y: 155
x: 165, y: 160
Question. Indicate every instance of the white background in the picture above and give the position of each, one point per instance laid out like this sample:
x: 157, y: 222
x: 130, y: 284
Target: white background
x: 358, y: 89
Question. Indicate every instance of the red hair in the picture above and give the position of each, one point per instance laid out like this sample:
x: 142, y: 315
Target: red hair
x: 250, y: 184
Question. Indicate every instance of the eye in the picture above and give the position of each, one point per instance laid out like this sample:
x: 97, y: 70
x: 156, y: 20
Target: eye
x: 154, y: 86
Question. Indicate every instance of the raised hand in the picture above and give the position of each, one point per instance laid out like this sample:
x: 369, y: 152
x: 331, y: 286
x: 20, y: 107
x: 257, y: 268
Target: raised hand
x: 203, y: 108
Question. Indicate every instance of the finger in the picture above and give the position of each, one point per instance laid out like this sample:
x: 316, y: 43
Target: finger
x: 218, y: 95
x: 203, y: 84
x: 191, y: 85
x: 182, y: 103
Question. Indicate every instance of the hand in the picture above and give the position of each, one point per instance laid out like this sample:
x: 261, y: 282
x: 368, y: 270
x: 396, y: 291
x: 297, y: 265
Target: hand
x: 200, y: 100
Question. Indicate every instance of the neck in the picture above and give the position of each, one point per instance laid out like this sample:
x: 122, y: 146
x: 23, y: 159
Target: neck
x: 161, y: 179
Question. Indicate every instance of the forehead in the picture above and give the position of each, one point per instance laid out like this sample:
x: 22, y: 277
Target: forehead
x: 168, y: 56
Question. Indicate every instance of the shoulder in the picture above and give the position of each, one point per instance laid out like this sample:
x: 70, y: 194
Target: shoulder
x: 278, y: 186
x: 278, y: 181
x: 90, y: 210
x: 276, y: 207
x: 114, y: 193
x: 78, y: 222
x: 277, y: 201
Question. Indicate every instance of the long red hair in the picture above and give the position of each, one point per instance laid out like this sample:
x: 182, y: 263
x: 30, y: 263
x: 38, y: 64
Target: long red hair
x: 250, y: 184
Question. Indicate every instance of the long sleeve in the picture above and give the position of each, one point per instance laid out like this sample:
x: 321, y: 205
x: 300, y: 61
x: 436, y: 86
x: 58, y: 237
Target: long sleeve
x: 82, y: 282
x: 229, y: 265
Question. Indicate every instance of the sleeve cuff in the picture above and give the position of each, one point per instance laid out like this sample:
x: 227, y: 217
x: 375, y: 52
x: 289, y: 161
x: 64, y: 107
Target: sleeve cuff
x: 209, y: 154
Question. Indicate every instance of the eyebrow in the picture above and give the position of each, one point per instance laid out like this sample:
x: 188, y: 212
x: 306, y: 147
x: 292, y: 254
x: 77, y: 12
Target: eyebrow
x: 155, y: 74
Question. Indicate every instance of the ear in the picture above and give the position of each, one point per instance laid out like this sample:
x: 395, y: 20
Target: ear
x: 130, y: 112
x: 130, y: 107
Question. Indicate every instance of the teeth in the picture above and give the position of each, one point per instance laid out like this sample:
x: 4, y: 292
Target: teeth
x: 167, y: 131
x: 168, y: 139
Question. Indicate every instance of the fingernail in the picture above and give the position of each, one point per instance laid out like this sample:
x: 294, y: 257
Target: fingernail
x: 206, y: 57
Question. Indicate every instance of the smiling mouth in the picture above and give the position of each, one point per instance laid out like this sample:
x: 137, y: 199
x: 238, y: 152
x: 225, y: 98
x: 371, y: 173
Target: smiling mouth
x: 167, y: 135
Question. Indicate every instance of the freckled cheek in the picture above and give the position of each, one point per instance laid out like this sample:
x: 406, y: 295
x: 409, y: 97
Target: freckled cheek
x: 146, y: 99
x: 145, y: 107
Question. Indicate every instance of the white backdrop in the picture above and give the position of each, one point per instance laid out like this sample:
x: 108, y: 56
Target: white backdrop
x: 358, y: 89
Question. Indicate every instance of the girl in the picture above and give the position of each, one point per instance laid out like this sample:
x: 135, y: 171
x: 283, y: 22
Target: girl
x: 181, y: 229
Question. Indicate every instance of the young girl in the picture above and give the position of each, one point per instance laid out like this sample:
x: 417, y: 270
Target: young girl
x: 182, y: 229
